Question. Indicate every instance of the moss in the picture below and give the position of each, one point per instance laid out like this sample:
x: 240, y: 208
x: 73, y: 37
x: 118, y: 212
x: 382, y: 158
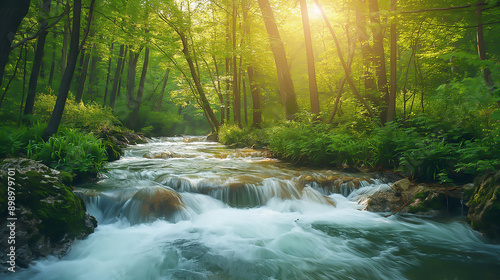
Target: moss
x: 60, y: 210
x: 66, y: 178
x: 422, y: 195
x: 417, y: 208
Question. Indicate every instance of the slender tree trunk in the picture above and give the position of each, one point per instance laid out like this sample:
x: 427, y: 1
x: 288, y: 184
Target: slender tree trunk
x: 344, y: 65
x: 162, y: 93
x: 56, y: 116
x: 236, y: 89
x: 286, y: 88
x: 481, y: 46
x: 254, y: 87
x: 366, y: 50
x: 64, y: 50
x: 132, y: 65
x: 379, y: 57
x: 122, y: 70
x: 391, y: 102
x: 53, y: 63
x: 219, y: 93
x: 116, y: 78
x: 12, y: 13
x: 311, y: 71
x: 134, y: 118
x: 108, y: 74
x: 93, y: 80
x: 201, y: 93
x: 83, y: 76
x: 228, y: 69
x: 40, y: 45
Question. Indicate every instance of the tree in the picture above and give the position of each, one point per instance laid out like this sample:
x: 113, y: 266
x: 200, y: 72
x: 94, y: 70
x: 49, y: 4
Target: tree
x: 286, y: 88
x: 37, y: 62
x: 12, y: 13
x: 74, y: 49
x: 391, y: 102
x: 311, y: 71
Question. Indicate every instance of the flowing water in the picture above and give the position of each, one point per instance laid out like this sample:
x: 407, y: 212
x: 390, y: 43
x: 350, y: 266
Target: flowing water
x: 183, y: 208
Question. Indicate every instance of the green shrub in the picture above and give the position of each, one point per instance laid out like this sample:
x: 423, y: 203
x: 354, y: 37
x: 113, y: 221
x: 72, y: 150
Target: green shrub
x: 88, y: 116
x: 234, y: 135
x: 71, y: 151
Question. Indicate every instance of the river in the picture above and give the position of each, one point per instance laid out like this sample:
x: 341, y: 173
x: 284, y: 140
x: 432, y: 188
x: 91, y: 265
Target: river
x: 184, y: 208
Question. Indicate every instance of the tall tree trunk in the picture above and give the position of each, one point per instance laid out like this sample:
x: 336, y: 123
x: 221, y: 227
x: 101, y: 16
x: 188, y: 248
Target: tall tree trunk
x: 92, y: 88
x: 201, y: 92
x: 287, y: 91
x: 165, y: 80
x: 219, y: 93
x: 62, y: 95
x: 64, y: 50
x: 122, y: 70
x: 347, y: 71
x: 379, y: 57
x: 12, y: 13
x: 40, y: 45
x: 53, y: 63
x: 311, y: 71
x: 391, y: 102
x: 108, y: 74
x: 83, y: 76
x: 236, y: 89
x: 228, y: 70
x: 116, y: 78
x: 134, y: 118
x: 481, y: 46
x: 254, y: 87
x: 366, y: 50
x: 132, y: 65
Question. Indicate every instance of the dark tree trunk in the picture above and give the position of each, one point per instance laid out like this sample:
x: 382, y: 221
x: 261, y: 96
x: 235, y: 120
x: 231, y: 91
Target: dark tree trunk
x: 93, y: 80
x: 108, y: 74
x: 83, y: 76
x: 311, y: 71
x: 64, y: 51
x: 12, y: 13
x: 40, y: 45
x: 116, y: 78
x: 255, y: 91
x: 379, y: 57
x: 62, y: 95
x: 287, y: 91
x: 481, y: 46
x: 134, y: 118
x: 160, y: 100
x: 132, y: 65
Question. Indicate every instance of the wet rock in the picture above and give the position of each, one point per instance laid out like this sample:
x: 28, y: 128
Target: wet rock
x: 213, y: 137
x: 484, y: 206
x: 421, y: 199
x: 149, y: 204
x: 115, y: 141
x: 50, y: 217
x: 167, y: 154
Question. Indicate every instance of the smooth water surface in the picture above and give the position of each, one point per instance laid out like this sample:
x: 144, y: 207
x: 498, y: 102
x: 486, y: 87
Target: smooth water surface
x: 239, y: 215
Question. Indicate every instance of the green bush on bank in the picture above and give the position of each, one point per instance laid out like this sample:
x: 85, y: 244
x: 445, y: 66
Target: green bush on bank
x: 422, y: 148
x: 69, y: 150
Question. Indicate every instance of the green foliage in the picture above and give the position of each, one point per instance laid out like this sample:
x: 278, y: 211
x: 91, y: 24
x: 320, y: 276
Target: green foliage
x: 72, y: 151
x: 89, y: 116
x: 241, y: 137
x: 69, y: 150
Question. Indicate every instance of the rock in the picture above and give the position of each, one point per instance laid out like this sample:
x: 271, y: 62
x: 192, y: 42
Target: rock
x: 149, y: 204
x: 420, y: 199
x: 484, y: 206
x: 164, y: 155
x: 213, y: 137
x: 50, y: 217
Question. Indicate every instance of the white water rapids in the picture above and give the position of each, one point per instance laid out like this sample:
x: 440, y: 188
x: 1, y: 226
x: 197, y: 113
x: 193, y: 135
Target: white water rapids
x: 242, y: 216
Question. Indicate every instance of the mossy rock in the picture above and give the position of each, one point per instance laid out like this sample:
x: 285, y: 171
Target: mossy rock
x: 484, y: 206
x: 49, y: 215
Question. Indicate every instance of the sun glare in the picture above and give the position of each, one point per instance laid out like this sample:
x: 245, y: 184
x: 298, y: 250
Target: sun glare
x: 314, y: 11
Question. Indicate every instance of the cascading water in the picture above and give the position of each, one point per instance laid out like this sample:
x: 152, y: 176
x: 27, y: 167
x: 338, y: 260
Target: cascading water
x: 182, y: 208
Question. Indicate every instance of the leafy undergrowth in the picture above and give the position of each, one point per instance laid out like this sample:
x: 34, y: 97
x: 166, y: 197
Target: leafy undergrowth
x: 421, y: 148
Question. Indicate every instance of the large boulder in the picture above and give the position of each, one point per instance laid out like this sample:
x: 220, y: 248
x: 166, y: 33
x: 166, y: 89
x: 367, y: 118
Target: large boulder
x: 48, y: 216
x: 484, y: 206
